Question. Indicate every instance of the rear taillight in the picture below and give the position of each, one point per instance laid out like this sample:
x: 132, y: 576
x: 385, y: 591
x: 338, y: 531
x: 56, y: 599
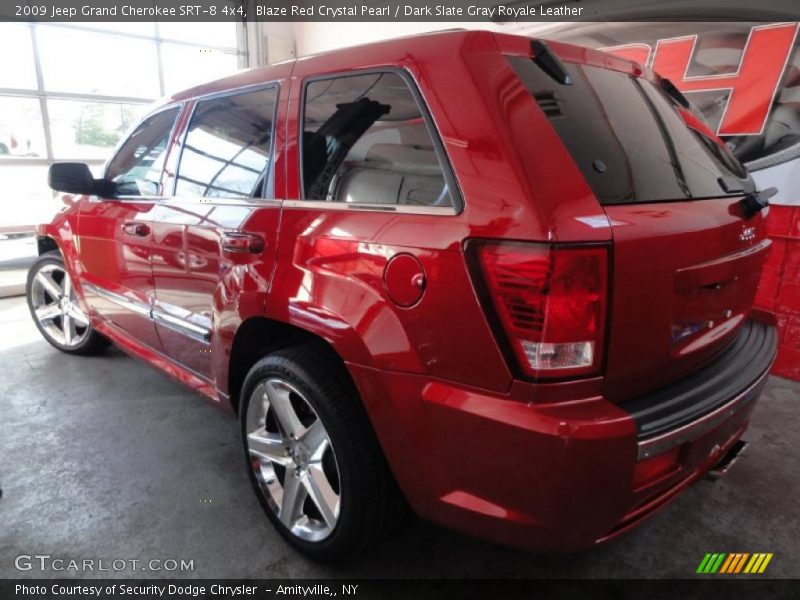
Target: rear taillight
x: 550, y: 304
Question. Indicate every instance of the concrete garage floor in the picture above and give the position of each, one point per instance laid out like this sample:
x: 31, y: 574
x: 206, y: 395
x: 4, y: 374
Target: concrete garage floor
x: 107, y: 458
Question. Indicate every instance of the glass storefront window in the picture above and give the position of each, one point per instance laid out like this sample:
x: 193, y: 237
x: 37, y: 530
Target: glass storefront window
x: 21, y: 131
x: 88, y: 70
x: 19, y: 72
x: 81, y: 129
x: 97, y: 63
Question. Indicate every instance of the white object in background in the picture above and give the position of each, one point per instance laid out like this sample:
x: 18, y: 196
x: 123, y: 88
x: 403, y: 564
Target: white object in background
x: 785, y: 177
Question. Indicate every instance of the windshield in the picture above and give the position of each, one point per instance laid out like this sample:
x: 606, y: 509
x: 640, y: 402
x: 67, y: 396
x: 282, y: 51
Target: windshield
x: 632, y: 141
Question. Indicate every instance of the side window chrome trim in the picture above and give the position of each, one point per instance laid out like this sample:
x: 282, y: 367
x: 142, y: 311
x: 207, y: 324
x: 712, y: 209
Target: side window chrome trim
x: 244, y: 89
x: 251, y: 202
x: 385, y: 208
x: 430, y: 124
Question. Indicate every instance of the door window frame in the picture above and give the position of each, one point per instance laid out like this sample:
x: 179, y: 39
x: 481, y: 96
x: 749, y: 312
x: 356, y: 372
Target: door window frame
x: 267, y: 192
x: 430, y: 125
x: 161, y: 109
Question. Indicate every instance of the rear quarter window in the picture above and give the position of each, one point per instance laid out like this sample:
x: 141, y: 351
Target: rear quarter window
x: 366, y: 140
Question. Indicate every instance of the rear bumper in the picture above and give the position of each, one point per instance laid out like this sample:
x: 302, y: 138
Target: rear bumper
x: 687, y: 408
x: 547, y: 477
x: 692, y: 430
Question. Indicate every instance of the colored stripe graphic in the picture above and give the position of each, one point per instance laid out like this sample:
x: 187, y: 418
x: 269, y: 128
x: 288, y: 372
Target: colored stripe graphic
x: 703, y: 563
x: 749, y: 568
x: 716, y: 565
x: 734, y: 562
x: 741, y: 562
x: 732, y: 559
x: 765, y: 563
x: 711, y: 563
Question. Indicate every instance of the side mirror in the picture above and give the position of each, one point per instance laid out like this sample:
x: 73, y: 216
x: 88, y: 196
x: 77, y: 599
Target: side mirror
x: 75, y: 178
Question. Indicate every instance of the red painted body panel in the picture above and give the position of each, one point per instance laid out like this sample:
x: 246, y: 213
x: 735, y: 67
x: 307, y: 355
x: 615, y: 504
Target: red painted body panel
x: 111, y: 259
x: 697, y: 274
x: 553, y: 469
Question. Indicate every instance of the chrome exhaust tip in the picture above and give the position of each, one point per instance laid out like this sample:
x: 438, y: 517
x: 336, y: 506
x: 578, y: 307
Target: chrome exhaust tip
x: 727, y: 461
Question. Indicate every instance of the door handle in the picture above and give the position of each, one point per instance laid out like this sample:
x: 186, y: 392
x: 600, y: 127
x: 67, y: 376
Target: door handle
x: 242, y: 243
x: 137, y: 229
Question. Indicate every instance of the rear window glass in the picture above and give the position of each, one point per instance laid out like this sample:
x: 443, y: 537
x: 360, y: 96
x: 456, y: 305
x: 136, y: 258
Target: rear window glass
x: 628, y: 137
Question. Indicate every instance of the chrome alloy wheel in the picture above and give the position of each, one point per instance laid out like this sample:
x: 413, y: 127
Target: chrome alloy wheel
x: 56, y: 308
x: 293, y: 459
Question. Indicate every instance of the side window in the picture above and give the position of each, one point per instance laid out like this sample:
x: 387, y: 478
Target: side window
x: 136, y: 168
x: 366, y: 141
x: 228, y: 148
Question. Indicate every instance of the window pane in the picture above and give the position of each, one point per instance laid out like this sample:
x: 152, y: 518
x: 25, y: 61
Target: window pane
x: 30, y: 200
x: 19, y: 71
x: 81, y: 129
x: 366, y: 141
x: 218, y: 35
x: 228, y: 146
x: 187, y: 66
x: 21, y: 131
x: 628, y: 137
x: 97, y: 63
x: 136, y: 168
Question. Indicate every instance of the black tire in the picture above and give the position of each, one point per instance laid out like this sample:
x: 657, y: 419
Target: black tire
x: 92, y: 342
x: 371, y: 504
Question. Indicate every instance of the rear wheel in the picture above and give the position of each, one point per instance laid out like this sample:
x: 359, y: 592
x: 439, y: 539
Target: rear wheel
x: 312, y: 456
x: 55, y: 308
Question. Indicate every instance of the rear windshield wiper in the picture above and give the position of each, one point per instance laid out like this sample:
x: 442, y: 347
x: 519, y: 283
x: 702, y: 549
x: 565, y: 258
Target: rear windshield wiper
x: 753, y: 200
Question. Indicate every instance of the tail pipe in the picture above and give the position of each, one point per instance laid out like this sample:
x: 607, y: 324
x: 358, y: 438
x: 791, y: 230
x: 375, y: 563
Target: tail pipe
x: 727, y: 461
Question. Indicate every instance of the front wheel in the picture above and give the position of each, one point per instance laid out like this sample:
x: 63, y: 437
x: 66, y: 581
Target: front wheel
x: 55, y: 308
x: 312, y: 456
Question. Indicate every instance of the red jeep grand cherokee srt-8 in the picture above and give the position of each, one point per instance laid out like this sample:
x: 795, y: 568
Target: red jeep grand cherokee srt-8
x: 504, y: 281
